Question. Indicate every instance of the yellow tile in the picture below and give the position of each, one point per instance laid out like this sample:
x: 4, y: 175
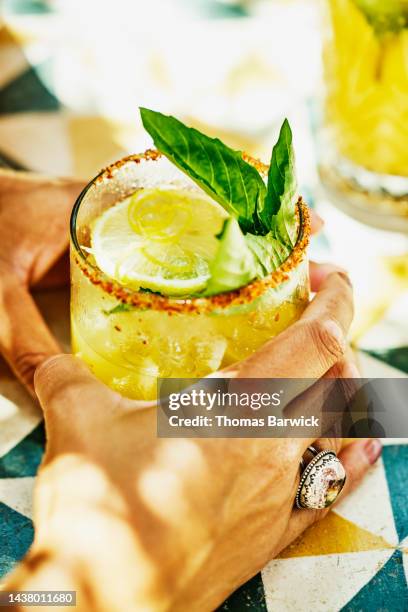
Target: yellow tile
x: 12, y: 59
x: 334, y: 534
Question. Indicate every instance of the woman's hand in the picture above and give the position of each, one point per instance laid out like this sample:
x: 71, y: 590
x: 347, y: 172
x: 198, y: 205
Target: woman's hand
x: 134, y: 522
x: 127, y: 520
x: 34, y: 220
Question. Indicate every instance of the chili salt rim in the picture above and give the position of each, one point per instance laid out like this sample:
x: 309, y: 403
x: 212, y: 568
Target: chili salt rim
x: 145, y: 299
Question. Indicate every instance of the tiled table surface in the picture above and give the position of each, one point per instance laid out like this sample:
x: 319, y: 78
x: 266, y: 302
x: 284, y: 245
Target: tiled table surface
x: 357, y: 558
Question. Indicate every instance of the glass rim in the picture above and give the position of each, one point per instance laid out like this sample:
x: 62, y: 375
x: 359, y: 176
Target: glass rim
x: 140, y: 299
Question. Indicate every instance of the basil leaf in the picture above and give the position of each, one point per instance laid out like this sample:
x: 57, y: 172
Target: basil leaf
x: 119, y: 308
x: 242, y: 258
x: 279, y: 211
x: 269, y: 252
x: 218, y: 170
x: 234, y: 265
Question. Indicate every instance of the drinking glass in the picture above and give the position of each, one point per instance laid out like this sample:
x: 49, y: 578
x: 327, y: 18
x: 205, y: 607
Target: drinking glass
x: 130, y: 338
x: 363, y: 144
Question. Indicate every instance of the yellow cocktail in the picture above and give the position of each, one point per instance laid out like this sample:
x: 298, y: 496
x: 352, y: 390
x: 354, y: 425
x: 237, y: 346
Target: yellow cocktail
x: 130, y: 336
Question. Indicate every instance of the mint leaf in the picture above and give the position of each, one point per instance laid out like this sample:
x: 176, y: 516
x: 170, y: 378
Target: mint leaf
x: 234, y: 265
x: 279, y: 208
x: 217, y: 169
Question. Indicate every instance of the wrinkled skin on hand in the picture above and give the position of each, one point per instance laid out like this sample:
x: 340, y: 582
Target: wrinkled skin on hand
x: 129, y: 521
x: 34, y: 221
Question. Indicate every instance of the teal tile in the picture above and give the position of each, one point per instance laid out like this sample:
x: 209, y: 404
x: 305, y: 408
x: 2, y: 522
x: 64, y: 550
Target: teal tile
x: 7, y: 162
x: 395, y: 357
x: 249, y: 597
x: 16, y: 535
x: 386, y: 591
x: 25, y: 457
x: 217, y: 9
x: 27, y: 93
x: 26, y: 7
x: 395, y: 460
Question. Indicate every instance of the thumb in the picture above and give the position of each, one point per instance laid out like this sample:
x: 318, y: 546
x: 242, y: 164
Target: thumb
x: 67, y: 389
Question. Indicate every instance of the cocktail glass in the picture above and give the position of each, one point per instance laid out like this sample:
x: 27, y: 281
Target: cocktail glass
x: 130, y: 338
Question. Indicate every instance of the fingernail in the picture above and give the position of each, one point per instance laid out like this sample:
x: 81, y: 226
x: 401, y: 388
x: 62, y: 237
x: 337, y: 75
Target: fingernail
x: 373, y: 449
x: 350, y: 370
x: 335, y: 330
x: 323, y: 270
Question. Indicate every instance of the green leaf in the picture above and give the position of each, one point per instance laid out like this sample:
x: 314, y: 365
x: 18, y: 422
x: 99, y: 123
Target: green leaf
x: 119, y: 308
x: 218, y: 170
x: 269, y: 252
x: 279, y: 210
x: 234, y: 265
x: 262, y: 229
x: 242, y: 258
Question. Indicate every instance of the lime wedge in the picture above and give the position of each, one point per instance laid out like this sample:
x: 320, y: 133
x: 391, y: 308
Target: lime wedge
x: 159, y: 239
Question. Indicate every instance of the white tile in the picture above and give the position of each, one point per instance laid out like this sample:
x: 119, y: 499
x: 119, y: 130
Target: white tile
x: 369, y: 506
x: 321, y: 583
x: 19, y: 414
x: 18, y: 494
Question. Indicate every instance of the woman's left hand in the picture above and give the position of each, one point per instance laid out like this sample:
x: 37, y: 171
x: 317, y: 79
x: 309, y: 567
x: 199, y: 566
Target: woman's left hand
x: 34, y: 222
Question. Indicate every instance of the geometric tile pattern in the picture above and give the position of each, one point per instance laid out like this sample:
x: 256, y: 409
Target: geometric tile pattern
x: 387, y: 590
x: 395, y: 460
x: 16, y: 534
x: 341, y: 565
x: 25, y: 457
x: 356, y: 559
x: 27, y: 93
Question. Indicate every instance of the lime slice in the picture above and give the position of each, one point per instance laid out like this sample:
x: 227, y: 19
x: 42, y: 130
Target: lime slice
x: 159, y: 239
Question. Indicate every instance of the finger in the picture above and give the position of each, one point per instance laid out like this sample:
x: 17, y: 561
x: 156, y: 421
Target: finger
x: 312, y: 345
x: 334, y: 300
x: 326, y: 401
x: 25, y: 340
x: 62, y: 193
x: 319, y: 272
x: 316, y: 222
x: 356, y: 458
x: 38, y: 235
x: 65, y: 385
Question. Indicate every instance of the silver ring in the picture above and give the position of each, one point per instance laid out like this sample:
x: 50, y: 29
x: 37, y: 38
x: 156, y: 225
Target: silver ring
x: 321, y: 481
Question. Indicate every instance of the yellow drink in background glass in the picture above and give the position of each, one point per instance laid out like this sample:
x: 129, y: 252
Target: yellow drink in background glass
x: 130, y: 337
x: 366, y: 72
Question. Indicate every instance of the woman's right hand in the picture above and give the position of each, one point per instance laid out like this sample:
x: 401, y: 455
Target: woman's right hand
x: 135, y: 522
